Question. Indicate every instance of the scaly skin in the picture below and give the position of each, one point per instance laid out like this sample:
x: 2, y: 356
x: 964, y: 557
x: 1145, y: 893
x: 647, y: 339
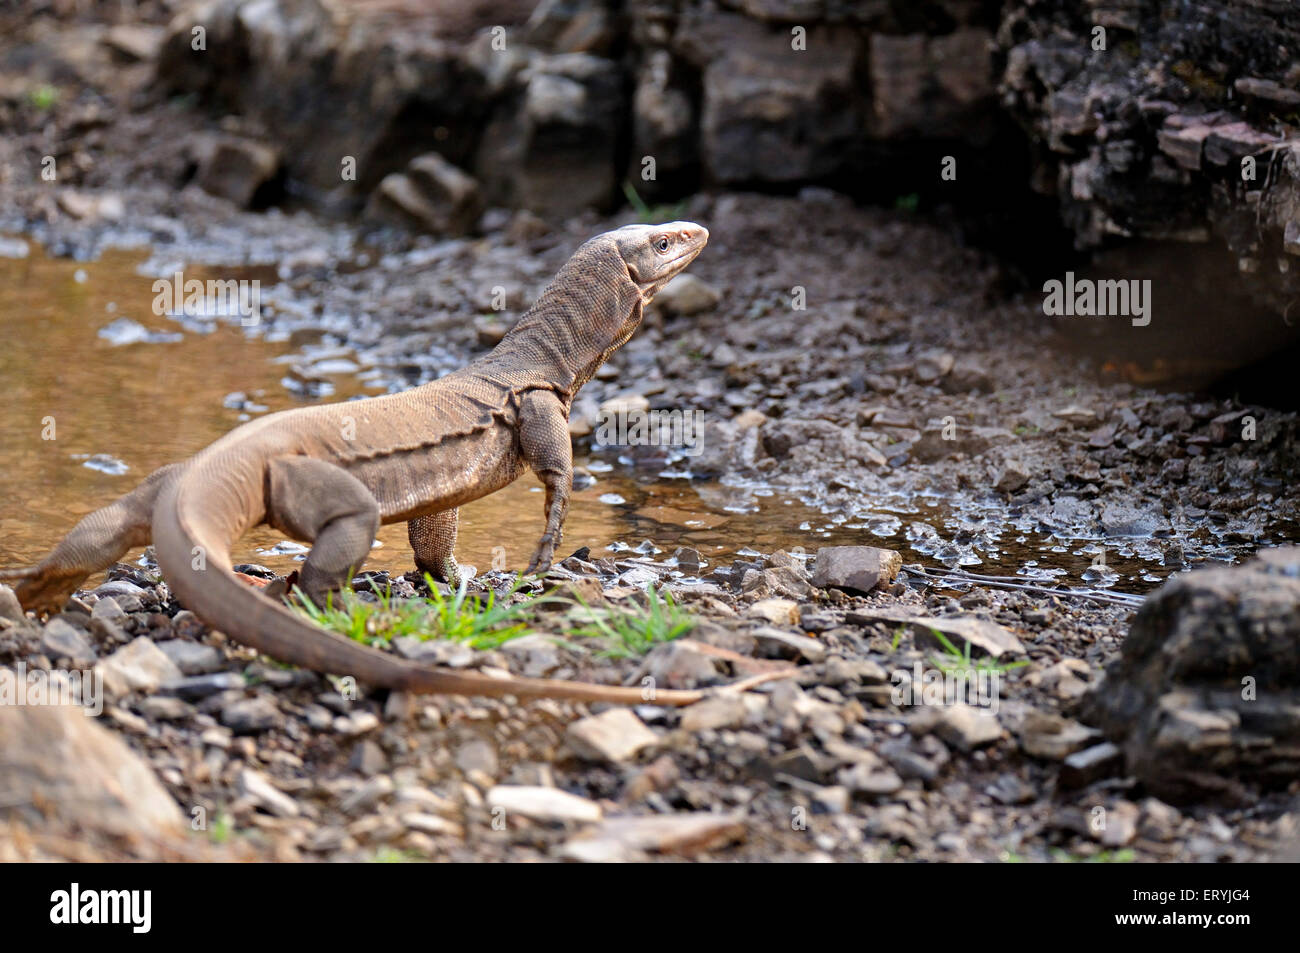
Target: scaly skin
x: 330, y: 474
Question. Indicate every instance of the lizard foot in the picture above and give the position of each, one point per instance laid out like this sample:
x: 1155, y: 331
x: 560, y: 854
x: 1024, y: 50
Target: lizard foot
x: 444, y: 570
x: 281, y: 586
x: 41, y: 590
x: 544, y: 556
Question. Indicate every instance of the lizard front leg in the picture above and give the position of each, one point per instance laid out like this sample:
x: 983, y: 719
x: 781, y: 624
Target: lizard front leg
x: 546, y: 446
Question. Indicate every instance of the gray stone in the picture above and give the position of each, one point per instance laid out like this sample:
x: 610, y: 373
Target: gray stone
x: 165, y: 708
x: 966, y: 727
x: 128, y: 596
x: 771, y: 113
x: 136, y: 667
x: 625, y: 838
x: 663, y: 127
x: 192, y: 658
x: 855, y: 568
x: 236, y: 169
x: 687, y: 295
x: 368, y: 759
x: 249, y: 716
x: 985, y: 637
x: 1013, y: 476
x: 197, y: 687
x: 777, y: 643
x: 537, y: 654
x: 678, y: 665
x: 725, y: 711
x: 259, y: 790
x: 1052, y: 737
x: 870, y: 779
x: 63, y: 640
x: 1091, y: 764
x: 367, y: 795
x: 553, y: 153
x: 432, y: 195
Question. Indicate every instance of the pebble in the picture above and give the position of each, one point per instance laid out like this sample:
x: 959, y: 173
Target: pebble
x: 725, y: 711
x: 367, y: 795
x: 776, y: 643
x: 616, y: 736
x: 192, y: 658
x: 543, y: 804
x: 967, y: 727
x: 260, y: 791
x: 197, y: 687
x: 250, y: 716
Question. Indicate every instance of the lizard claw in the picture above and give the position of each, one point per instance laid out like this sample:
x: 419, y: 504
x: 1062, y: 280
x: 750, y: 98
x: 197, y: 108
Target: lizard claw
x: 545, y: 554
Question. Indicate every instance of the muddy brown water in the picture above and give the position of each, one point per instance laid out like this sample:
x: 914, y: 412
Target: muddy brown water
x: 86, y: 418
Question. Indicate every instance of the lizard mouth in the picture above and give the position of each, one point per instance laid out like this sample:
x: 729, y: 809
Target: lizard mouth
x: 671, y: 269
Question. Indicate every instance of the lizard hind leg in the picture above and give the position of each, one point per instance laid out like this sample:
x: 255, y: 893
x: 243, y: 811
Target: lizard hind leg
x: 100, y: 539
x: 320, y: 503
x: 433, y: 540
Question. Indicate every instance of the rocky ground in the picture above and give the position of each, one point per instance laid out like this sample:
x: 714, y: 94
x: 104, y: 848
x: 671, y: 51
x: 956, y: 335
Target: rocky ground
x: 907, y: 375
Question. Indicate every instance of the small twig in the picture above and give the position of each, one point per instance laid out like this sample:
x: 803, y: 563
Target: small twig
x: 1126, y: 599
x: 745, y: 684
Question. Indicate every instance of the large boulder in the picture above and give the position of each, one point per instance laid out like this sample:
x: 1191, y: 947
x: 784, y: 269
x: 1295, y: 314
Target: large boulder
x: 1204, y: 699
x: 771, y: 112
x: 349, y: 99
x: 432, y: 195
x: 58, y: 767
x: 551, y: 146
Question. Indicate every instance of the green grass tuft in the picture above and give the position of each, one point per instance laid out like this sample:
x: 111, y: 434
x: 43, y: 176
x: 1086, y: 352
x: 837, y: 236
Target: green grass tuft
x: 44, y: 96
x: 652, y: 214
x: 478, y: 621
x: 630, y: 633
x: 955, y: 661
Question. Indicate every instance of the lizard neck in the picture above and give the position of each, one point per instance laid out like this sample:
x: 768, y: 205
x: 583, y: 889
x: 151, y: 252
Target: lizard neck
x: 582, y: 317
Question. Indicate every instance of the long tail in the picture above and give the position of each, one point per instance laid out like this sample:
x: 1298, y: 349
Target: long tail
x: 195, y: 560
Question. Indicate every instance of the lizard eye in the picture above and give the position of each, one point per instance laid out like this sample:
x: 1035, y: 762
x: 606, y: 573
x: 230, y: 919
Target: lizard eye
x: 661, y: 244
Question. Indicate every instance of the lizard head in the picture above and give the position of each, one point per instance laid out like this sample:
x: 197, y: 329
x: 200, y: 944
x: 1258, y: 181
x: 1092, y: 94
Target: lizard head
x: 655, y: 254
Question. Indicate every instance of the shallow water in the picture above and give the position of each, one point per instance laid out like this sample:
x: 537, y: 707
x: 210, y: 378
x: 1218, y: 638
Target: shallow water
x: 113, y: 412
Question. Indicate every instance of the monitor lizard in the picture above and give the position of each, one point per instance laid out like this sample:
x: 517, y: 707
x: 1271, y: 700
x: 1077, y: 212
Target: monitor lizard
x: 331, y: 474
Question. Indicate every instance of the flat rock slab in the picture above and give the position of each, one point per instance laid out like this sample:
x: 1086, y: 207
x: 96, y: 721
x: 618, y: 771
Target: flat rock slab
x: 987, y: 638
x: 725, y: 711
x: 544, y: 804
x: 625, y: 838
